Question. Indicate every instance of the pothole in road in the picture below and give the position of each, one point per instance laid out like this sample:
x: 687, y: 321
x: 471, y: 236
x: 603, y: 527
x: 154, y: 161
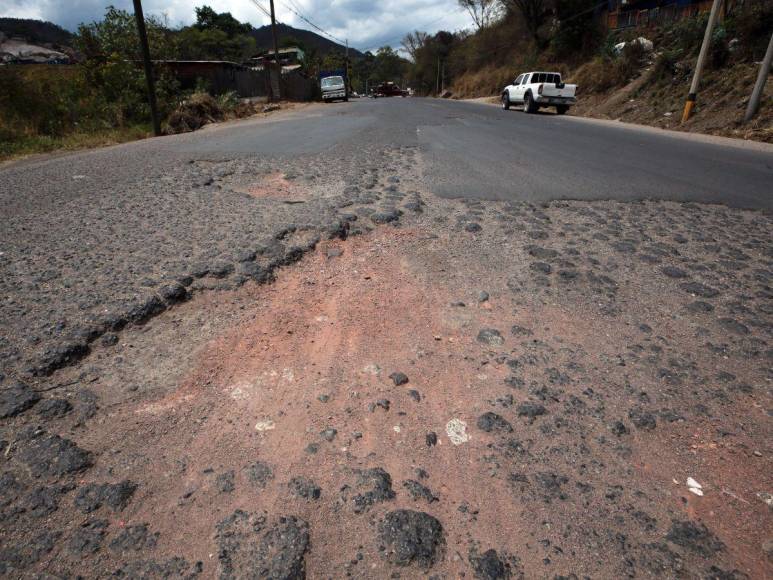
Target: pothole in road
x: 336, y: 395
x: 345, y: 364
x: 276, y: 186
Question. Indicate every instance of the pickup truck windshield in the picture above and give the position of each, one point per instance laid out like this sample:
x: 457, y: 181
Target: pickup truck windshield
x: 332, y: 82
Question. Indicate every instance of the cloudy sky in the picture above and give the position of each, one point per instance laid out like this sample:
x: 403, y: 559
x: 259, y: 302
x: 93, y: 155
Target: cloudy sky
x: 367, y: 24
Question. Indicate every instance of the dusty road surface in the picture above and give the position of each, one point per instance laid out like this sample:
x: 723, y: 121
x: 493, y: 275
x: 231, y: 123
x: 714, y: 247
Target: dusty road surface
x: 363, y: 340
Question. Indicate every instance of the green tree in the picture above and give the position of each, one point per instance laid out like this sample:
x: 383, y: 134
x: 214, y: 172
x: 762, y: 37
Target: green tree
x: 111, y: 66
x: 207, y: 19
x: 116, y: 34
x: 216, y: 36
x: 389, y: 65
x: 535, y: 14
x: 577, y: 30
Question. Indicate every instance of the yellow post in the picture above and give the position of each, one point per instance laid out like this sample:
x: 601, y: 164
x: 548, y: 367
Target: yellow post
x: 688, y: 107
x: 696, y: 79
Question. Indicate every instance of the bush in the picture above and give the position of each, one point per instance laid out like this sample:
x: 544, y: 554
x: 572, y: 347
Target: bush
x: 665, y: 66
x: 193, y: 113
x: 43, y: 100
x: 751, y: 26
x: 719, y: 52
x: 200, y: 108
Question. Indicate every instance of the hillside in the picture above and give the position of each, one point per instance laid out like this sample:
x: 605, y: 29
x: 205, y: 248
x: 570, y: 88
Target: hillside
x: 36, y: 31
x: 646, y: 86
x: 48, y: 33
x: 310, y: 40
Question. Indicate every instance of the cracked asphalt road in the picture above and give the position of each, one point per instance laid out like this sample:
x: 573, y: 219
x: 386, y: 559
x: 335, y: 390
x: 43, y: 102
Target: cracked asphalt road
x: 393, y: 338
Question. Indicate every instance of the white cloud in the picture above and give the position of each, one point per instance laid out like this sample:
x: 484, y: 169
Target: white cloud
x: 365, y: 23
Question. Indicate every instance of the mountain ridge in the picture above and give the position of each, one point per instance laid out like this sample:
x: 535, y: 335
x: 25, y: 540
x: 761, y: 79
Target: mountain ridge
x: 264, y: 39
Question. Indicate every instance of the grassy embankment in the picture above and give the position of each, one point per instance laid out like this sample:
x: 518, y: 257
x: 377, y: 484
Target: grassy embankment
x: 650, y: 88
x: 54, y: 107
x: 45, y: 108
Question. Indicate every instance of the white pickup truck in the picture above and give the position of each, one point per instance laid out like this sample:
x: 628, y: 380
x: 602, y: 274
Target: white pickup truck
x: 539, y: 89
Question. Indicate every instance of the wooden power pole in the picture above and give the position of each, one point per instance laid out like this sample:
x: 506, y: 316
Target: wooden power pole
x: 277, y: 66
x: 347, y: 81
x: 696, y: 79
x: 148, y: 66
x: 762, y: 77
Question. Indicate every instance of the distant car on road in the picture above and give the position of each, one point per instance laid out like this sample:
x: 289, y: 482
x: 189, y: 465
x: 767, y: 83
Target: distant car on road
x: 389, y: 89
x: 535, y: 90
x: 333, y: 87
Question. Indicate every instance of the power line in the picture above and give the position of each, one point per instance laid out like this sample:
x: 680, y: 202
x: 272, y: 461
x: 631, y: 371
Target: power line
x: 261, y: 8
x: 310, y: 23
x: 423, y: 26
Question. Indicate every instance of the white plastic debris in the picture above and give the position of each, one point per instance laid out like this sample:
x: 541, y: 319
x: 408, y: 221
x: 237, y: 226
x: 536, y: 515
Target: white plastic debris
x: 372, y: 369
x: 694, y: 487
x: 266, y: 425
x: 766, y: 498
x: 645, y: 43
x: 456, y: 429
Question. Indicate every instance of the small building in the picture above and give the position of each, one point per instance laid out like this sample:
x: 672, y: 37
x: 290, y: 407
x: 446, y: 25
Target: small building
x: 643, y: 13
x: 290, y: 58
x: 219, y: 76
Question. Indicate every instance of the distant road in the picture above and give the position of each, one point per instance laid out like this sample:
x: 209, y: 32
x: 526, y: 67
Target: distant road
x: 475, y: 150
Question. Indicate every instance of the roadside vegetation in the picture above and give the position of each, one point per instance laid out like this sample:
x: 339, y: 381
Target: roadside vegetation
x: 102, y: 99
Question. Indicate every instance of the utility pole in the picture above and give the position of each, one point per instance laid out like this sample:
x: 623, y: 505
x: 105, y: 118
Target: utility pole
x: 437, y: 83
x: 442, y: 77
x: 762, y: 77
x: 277, y: 66
x: 696, y: 79
x: 348, y: 78
x: 148, y: 66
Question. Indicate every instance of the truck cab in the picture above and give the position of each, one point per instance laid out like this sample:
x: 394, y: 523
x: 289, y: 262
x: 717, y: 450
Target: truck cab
x: 333, y: 87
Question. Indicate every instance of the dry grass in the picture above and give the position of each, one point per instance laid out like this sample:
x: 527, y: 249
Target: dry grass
x: 484, y: 82
x: 202, y: 108
x: 32, y: 144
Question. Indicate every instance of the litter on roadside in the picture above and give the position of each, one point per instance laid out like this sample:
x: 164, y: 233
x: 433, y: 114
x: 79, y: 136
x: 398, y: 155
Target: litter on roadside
x: 456, y: 429
x: 694, y: 487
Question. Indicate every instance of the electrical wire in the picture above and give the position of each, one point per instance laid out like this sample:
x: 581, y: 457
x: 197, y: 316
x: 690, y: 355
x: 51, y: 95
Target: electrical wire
x: 261, y: 8
x: 312, y: 24
x: 424, y: 26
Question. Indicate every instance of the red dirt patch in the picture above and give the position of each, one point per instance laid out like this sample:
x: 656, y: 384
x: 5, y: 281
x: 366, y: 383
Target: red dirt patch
x: 275, y: 185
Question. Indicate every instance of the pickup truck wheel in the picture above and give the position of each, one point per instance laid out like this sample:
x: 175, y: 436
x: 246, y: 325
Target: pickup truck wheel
x: 528, y: 104
x: 562, y: 109
x: 506, y: 101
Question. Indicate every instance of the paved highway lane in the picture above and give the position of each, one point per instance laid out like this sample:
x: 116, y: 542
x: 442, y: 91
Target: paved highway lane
x: 474, y: 150
x: 467, y: 150
x: 484, y: 151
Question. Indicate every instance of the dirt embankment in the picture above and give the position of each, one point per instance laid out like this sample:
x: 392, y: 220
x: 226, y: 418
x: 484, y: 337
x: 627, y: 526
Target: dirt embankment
x: 721, y: 106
